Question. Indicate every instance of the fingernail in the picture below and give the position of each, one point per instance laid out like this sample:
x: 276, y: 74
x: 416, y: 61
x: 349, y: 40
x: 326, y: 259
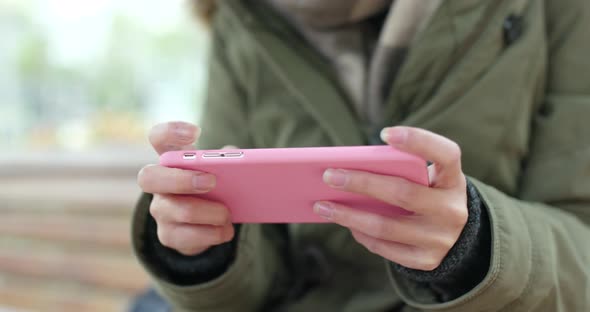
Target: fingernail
x: 396, y: 136
x: 336, y: 177
x: 203, y: 182
x: 324, y: 210
x: 186, y: 131
x: 230, y: 235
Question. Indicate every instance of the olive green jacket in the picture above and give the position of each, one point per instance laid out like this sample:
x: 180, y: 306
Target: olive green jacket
x: 519, y: 110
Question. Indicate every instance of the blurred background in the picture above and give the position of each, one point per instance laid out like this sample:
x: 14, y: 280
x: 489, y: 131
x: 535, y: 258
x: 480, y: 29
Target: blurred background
x: 80, y: 84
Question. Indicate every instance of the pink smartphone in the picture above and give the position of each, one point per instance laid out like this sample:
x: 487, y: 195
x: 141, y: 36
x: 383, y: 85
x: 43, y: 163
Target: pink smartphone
x: 280, y: 185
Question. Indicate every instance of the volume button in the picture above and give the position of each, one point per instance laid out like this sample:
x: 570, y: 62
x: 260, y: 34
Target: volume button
x: 223, y: 154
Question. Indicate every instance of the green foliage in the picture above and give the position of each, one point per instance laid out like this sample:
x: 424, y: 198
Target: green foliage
x: 33, y: 58
x: 130, y: 74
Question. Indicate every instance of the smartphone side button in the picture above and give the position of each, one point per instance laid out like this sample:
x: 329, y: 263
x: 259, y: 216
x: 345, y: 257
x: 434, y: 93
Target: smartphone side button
x: 189, y: 156
x: 234, y: 154
x: 223, y: 154
x: 212, y: 154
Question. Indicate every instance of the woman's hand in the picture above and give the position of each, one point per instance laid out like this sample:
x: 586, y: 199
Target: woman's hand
x: 419, y: 241
x: 187, y: 224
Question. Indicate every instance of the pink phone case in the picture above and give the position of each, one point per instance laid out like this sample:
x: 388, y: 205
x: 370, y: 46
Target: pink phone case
x: 281, y: 185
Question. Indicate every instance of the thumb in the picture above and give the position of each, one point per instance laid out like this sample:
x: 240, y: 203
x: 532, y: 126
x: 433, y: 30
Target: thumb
x: 175, y: 135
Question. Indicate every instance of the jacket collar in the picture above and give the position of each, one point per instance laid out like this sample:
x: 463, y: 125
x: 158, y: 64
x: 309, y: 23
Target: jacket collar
x: 298, y: 65
x: 310, y: 79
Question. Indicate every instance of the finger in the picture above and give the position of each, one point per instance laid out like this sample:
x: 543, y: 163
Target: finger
x: 171, y: 136
x: 408, y: 256
x: 445, y: 153
x: 156, y: 179
x: 406, y: 231
x: 392, y: 190
x: 193, y: 239
x: 189, y: 210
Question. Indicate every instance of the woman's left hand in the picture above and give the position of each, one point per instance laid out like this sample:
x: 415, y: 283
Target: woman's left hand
x: 418, y: 241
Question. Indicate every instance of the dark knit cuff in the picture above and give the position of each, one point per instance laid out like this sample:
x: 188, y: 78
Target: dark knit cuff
x: 467, y: 262
x: 179, y: 269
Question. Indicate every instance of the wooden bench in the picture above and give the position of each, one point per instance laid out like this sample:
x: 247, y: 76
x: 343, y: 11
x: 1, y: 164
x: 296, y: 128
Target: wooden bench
x: 64, y: 232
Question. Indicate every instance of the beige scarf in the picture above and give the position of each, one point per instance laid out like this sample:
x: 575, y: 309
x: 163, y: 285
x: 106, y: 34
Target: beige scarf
x: 365, y: 41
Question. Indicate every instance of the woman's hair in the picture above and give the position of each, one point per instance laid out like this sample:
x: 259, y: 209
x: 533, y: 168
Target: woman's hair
x: 203, y: 10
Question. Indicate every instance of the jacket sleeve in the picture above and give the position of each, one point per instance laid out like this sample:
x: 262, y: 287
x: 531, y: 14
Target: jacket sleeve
x: 465, y: 265
x: 246, y: 284
x: 540, y: 251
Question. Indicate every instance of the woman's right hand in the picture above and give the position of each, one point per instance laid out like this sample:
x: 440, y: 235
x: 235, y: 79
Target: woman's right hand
x: 187, y: 224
